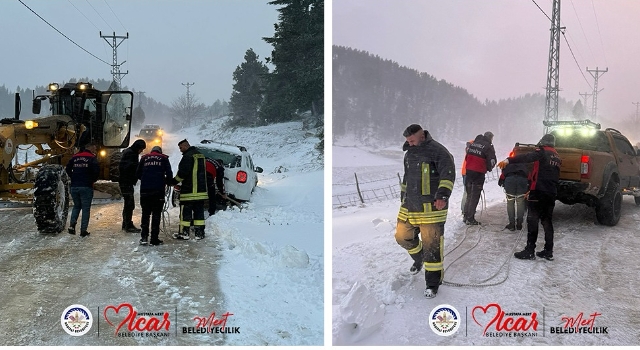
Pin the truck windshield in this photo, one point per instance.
(576, 139)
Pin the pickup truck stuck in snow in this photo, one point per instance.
(598, 167)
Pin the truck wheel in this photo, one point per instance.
(51, 199)
(609, 207)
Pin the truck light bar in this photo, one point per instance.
(586, 122)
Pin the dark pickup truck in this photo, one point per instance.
(598, 167)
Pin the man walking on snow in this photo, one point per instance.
(429, 174)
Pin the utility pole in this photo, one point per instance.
(553, 72)
(585, 95)
(188, 102)
(140, 99)
(637, 113)
(594, 105)
(115, 67)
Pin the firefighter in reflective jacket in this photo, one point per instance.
(193, 191)
(429, 174)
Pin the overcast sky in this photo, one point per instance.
(498, 49)
(170, 42)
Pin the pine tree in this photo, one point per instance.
(138, 118)
(247, 94)
(297, 82)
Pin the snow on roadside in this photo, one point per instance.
(272, 266)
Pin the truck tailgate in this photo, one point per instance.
(571, 158)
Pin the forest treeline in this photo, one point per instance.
(375, 99)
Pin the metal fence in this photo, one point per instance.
(362, 191)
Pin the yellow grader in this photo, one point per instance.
(79, 114)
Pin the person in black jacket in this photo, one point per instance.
(542, 195)
(423, 212)
(154, 173)
(192, 174)
(515, 182)
(84, 170)
(480, 159)
(128, 166)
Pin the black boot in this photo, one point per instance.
(131, 228)
(526, 254)
(184, 235)
(199, 232)
(545, 254)
(518, 225)
(511, 226)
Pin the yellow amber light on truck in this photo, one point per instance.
(30, 124)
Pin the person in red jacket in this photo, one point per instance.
(543, 189)
(215, 178)
(480, 158)
(464, 176)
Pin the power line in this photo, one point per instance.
(599, 33)
(83, 14)
(125, 29)
(99, 15)
(66, 37)
(568, 45)
(541, 10)
(582, 29)
(576, 61)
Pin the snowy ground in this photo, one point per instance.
(272, 268)
(375, 301)
(263, 264)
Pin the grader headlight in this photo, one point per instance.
(53, 87)
(84, 86)
(30, 124)
(103, 153)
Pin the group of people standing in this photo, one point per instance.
(197, 179)
(429, 175)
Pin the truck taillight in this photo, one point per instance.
(585, 167)
(241, 177)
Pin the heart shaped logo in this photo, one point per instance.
(490, 312)
(116, 310)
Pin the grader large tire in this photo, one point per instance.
(609, 207)
(51, 199)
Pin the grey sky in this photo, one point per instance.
(498, 49)
(170, 42)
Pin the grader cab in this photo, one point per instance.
(79, 114)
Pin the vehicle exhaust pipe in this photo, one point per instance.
(17, 106)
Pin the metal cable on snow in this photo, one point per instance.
(480, 283)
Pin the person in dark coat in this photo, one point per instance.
(192, 174)
(514, 180)
(128, 166)
(215, 178)
(480, 159)
(154, 173)
(84, 170)
(423, 212)
(543, 189)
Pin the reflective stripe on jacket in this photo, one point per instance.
(429, 174)
(192, 173)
